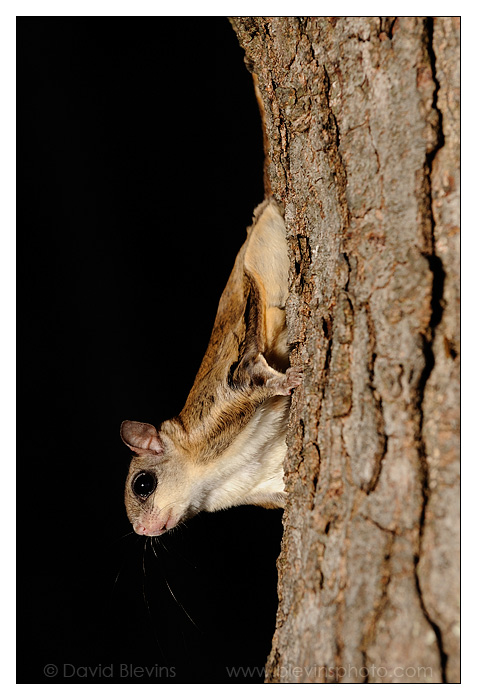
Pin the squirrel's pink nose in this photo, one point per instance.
(152, 525)
(148, 531)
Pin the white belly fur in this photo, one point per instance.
(253, 463)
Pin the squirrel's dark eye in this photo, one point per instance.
(144, 484)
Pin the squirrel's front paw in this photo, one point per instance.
(282, 384)
(294, 377)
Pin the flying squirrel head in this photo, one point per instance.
(159, 491)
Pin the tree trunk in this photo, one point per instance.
(361, 125)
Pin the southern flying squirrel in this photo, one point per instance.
(227, 446)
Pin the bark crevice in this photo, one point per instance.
(436, 268)
(380, 423)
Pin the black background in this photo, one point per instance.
(139, 165)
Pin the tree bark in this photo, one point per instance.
(361, 125)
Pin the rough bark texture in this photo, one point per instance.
(361, 119)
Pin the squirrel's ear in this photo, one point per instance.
(141, 438)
